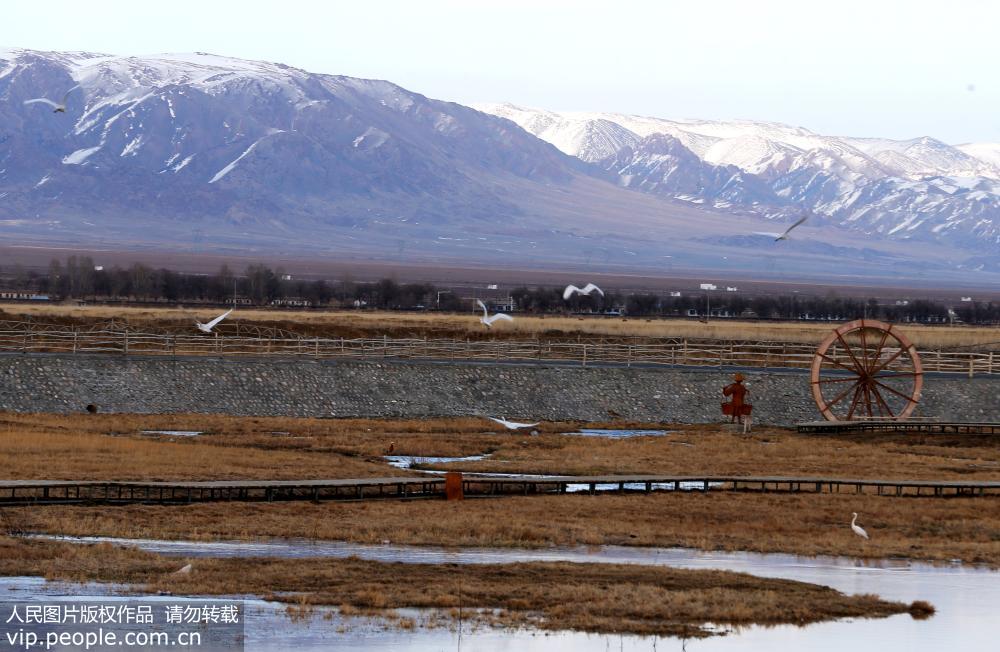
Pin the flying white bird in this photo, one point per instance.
(783, 236)
(207, 328)
(587, 289)
(56, 108)
(512, 425)
(183, 570)
(858, 530)
(488, 319)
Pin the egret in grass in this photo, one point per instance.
(487, 319)
(512, 425)
(207, 328)
(56, 108)
(585, 290)
(858, 530)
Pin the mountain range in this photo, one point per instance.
(913, 189)
(200, 152)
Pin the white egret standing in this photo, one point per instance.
(207, 328)
(488, 319)
(56, 108)
(586, 290)
(858, 530)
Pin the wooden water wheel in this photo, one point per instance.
(866, 369)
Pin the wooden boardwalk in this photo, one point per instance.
(922, 427)
(37, 492)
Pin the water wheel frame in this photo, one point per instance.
(861, 371)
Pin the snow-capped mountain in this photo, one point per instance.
(921, 188)
(198, 137)
(199, 152)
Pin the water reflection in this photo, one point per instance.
(965, 599)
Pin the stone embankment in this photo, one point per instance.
(324, 388)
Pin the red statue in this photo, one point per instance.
(737, 408)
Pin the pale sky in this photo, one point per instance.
(853, 68)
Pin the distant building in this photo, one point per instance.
(14, 295)
(675, 294)
(240, 301)
(967, 299)
(732, 289)
(292, 302)
(708, 286)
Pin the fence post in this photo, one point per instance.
(972, 363)
(385, 345)
(125, 347)
(989, 364)
(75, 335)
(628, 358)
(584, 355)
(317, 347)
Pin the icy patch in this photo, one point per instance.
(378, 138)
(617, 434)
(407, 461)
(132, 147)
(43, 181)
(80, 155)
(173, 433)
(180, 166)
(229, 168)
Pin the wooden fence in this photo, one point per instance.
(666, 352)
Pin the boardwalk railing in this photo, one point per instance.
(31, 492)
(667, 352)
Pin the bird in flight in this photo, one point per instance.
(783, 236)
(488, 319)
(207, 328)
(512, 425)
(858, 530)
(586, 290)
(56, 108)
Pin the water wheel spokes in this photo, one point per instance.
(865, 369)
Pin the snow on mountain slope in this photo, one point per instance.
(919, 188)
(986, 152)
(179, 138)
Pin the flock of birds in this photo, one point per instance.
(488, 320)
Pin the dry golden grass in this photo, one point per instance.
(400, 324)
(109, 446)
(555, 596)
(935, 529)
